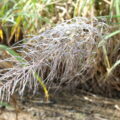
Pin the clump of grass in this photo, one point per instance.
(20, 12)
(62, 56)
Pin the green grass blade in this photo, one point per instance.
(13, 53)
(112, 34)
(42, 84)
(113, 67)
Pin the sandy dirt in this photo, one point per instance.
(64, 106)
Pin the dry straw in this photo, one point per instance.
(64, 56)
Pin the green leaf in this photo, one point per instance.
(112, 34)
(13, 53)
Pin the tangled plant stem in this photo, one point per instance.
(22, 60)
(61, 55)
(66, 55)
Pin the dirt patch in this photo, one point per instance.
(65, 106)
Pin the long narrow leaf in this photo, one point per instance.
(112, 34)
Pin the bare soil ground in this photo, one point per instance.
(64, 106)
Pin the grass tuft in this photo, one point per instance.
(63, 56)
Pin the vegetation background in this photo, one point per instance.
(34, 16)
